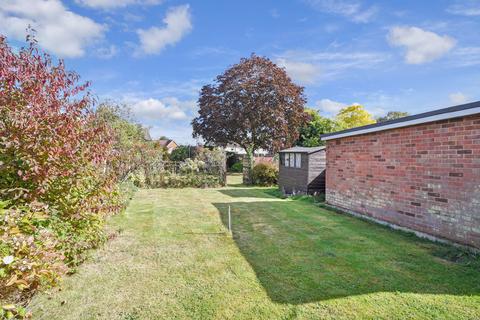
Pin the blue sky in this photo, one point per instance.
(155, 55)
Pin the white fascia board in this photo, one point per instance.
(438, 117)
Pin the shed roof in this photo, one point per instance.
(432, 116)
(303, 149)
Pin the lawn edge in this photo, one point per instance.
(396, 227)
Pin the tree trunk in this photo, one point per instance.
(248, 166)
(223, 169)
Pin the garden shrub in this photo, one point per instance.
(29, 250)
(215, 162)
(61, 165)
(192, 180)
(265, 174)
(181, 153)
(192, 166)
(237, 167)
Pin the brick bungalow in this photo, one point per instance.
(420, 172)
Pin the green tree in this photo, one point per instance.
(392, 115)
(316, 126)
(180, 153)
(353, 116)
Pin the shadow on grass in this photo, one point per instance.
(302, 253)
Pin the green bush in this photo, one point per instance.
(28, 249)
(192, 180)
(265, 174)
(181, 153)
(236, 167)
(62, 171)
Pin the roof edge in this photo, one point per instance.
(426, 117)
(313, 150)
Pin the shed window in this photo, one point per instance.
(293, 160)
(298, 160)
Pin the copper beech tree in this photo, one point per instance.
(253, 104)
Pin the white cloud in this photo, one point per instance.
(59, 30)
(466, 57)
(458, 98)
(167, 116)
(154, 109)
(329, 106)
(111, 4)
(177, 24)
(186, 105)
(306, 65)
(465, 8)
(107, 52)
(182, 134)
(303, 72)
(352, 10)
(421, 46)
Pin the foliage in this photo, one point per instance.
(187, 180)
(318, 198)
(215, 161)
(180, 153)
(236, 167)
(49, 136)
(127, 139)
(11, 311)
(192, 165)
(29, 249)
(353, 116)
(316, 126)
(392, 115)
(136, 159)
(207, 170)
(254, 104)
(60, 164)
(213, 158)
(265, 174)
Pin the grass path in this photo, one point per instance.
(287, 259)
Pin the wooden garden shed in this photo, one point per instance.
(302, 170)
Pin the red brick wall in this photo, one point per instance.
(424, 177)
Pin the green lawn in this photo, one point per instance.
(174, 259)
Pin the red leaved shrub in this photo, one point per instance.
(55, 154)
(49, 139)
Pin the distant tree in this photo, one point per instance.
(129, 136)
(254, 104)
(353, 116)
(392, 115)
(316, 126)
(180, 153)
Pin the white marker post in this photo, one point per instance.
(229, 220)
